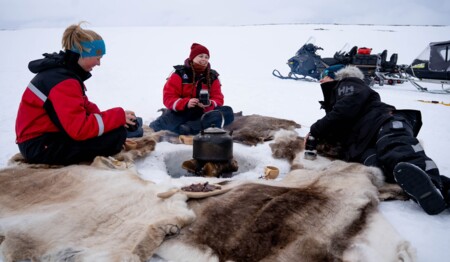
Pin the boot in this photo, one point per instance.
(417, 184)
(446, 189)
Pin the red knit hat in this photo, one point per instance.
(197, 49)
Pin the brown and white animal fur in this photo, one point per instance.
(256, 129)
(105, 212)
(288, 145)
(311, 215)
(84, 213)
(97, 212)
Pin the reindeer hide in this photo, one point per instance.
(311, 215)
(84, 213)
(256, 129)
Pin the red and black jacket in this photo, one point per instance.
(55, 101)
(181, 87)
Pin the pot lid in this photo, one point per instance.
(214, 130)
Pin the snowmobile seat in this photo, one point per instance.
(383, 56)
(390, 66)
(393, 59)
(353, 51)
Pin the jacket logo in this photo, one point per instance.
(185, 76)
(345, 90)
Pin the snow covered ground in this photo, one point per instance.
(139, 59)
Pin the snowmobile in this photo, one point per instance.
(431, 66)
(376, 68)
(308, 65)
(388, 71)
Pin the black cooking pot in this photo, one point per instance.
(213, 143)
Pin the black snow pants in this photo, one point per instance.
(188, 122)
(395, 143)
(59, 149)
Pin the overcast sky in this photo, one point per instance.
(60, 13)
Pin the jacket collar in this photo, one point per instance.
(71, 60)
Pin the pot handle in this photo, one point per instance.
(201, 120)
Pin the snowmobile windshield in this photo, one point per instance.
(421, 61)
(440, 57)
(425, 55)
(308, 48)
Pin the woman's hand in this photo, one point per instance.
(130, 118)
(203, 106)
(193, 102)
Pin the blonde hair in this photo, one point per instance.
(74, 35)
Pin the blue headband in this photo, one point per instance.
(94, 48)
(331, 71)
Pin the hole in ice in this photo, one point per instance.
(173, 161)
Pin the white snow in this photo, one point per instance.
(139, 59)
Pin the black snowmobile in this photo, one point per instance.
(305, 65)
(308, 65)
(431, 66)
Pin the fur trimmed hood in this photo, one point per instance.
(349, 71)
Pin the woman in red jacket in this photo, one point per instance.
(192, 90)
(56, 123)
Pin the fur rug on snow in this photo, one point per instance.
(105, 212)
(288, 145)
(257, 129)
(329, 214)
(99, 211)
(246, 129)
(84, 213)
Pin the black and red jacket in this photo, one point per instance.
(55, 101)
(181, 87)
